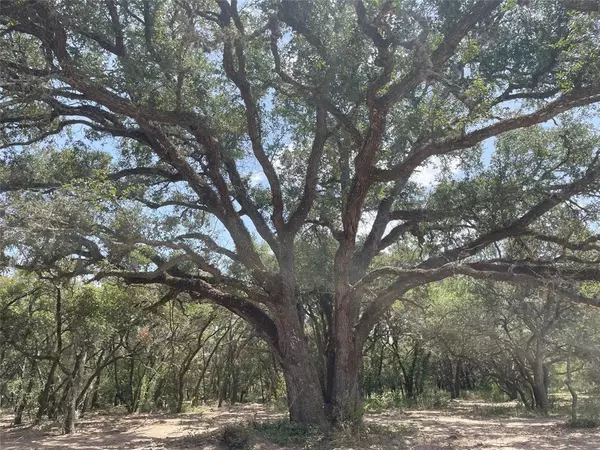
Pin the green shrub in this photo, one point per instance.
(284, 432)
(429, 399)
(434, 399)
(387, 400)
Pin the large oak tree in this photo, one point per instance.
(207, 146)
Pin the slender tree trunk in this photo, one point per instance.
(45, 394)
(158, 391)
(86, 397)
(196, 393)
(523, 398)
(234, 385)
(572, 391)
(185, 366)
(18, 418)
(96, 393)
(408, 382)
(20, 409)
(73, 389)
(223, 389)
(380, 371)
(118, 394)
(137, 392)
(423, 373)
(456, 379)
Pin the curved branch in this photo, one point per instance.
(573, 99)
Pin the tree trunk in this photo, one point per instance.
(158, 392)
(234, 386)
(572, 391)
(73, 389)
(510, 389)
(195, 395)
(540, 395)
(304, 394)
(524, 398)
(540, 378)
(345, 393)
(409, 386)
(18, 417)
(456, 380)
(95, 402)
(45, 395)
(86, 397)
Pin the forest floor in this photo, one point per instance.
(463, 425)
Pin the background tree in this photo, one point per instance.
(71, 348)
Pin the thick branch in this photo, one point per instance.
(566, 102)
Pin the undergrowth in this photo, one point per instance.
(246, 435)
(431, 399)
(583, 423)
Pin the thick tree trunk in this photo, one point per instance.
(346, 401)
(541, 399)
(304, 394)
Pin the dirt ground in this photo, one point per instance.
(456, 428)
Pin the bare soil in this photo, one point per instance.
(454, 428)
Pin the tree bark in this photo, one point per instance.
(195, 395)
(456, 380)
(540, 378)
(18, 417)
(304, 394)
(44, 397)
(539, 387)
(73, 389)
(346, 402)
(185, 366)
(572, 391)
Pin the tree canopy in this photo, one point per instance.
(285, 158)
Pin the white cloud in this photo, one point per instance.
(257, 178)
(427, 175)
(366, 223)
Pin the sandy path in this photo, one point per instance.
(448, 429)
